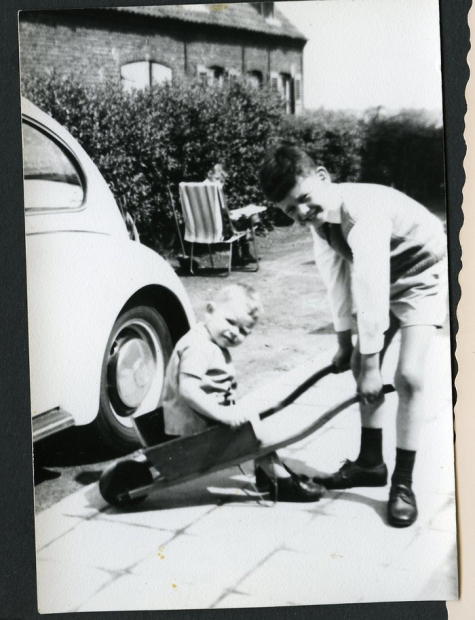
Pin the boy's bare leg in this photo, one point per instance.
(369, 468)
(409, 382)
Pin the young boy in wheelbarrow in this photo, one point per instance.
(200, 387)
(384, 254)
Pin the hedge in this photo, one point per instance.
(145, 141)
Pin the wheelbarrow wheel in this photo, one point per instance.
(122, 477)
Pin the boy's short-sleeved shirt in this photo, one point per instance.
(197, 355)
(386, 253)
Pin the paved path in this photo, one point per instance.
(210, 544)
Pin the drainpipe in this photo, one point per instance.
(268, 66)
(185, 55)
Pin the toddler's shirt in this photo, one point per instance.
(197, 355)
(383, 236)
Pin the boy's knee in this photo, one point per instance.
(408, 381)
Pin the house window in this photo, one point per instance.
(143, 74)
(254, 78)
(290, 89)
(286, 90)
(216, 75)
(298, 94)
(274, 82)
(202, 73)
(266, 9)
(212, 75)
(233, 75)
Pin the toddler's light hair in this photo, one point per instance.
(242, 292)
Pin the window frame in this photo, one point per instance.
(298, 101)
(255, 75)
(149, 63)
(63, 146)
(213, 75)
(217, 75)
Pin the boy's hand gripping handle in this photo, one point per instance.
(308, 383)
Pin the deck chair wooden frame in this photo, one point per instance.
(208, 220)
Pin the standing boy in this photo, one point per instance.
(200, 386)
(384, 254)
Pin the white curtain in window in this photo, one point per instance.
(135, 75)
(160, 73)
(141, 74)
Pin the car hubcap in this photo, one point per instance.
(135, 370)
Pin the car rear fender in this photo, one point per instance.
(78, 284)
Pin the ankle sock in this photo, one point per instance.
(404, 466)
(371, 450)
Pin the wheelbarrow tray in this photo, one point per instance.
(187, 458)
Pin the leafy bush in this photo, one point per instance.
(405, 151)
(145, 141)
(332, 139)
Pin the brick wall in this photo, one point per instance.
(94, 45)
(213, 50)
(92, 49)
(285, 60)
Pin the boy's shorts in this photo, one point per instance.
(421, 299)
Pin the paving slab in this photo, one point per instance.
(66, 585)
(213, 543)
(105, 545)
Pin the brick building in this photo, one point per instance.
(144, 45)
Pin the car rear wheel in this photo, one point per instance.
(132, 376)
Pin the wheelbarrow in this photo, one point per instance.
(164, 465)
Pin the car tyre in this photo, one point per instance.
(132, 375)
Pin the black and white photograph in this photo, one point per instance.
(237, 281)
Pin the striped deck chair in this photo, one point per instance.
(207, 219)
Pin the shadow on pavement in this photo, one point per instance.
(41, 474)
(88, 477)
(377, 505)
(212, 490)
(74, 446)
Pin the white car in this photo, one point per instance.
(104, 311)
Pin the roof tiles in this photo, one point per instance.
(242, 16)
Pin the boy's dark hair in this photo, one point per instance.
(279, 171)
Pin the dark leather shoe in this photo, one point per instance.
(402, 508)
(352, 475)
(289, 489)
(292, 490)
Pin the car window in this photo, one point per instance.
(51, 179)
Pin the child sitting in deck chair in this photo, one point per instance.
(200, 385)
(218, 174)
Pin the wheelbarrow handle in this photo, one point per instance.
(323, 419)
(308, 383)
(301, 389)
